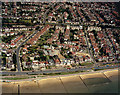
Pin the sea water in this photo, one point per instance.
(108, 87)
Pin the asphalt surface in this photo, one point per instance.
(55, 71)
(90, 52)
(52, 6)
(18, 50)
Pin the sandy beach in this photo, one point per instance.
(89, 82)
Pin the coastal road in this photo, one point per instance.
(55, 71)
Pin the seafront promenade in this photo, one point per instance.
(74, 83)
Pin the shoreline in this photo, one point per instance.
(73, 83)
(56, 76)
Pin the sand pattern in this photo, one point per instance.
(74, 84)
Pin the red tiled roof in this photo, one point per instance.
(16, 40)
(36, 37)
(12, 44)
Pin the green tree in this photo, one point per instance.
(14, 60)
(4, 61)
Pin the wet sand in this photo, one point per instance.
(96, 78)
(74, 84)
(51, 85)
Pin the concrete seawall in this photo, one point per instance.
(69, 84)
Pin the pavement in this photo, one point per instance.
(54, 71)
(18, 50)
(89, 49)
